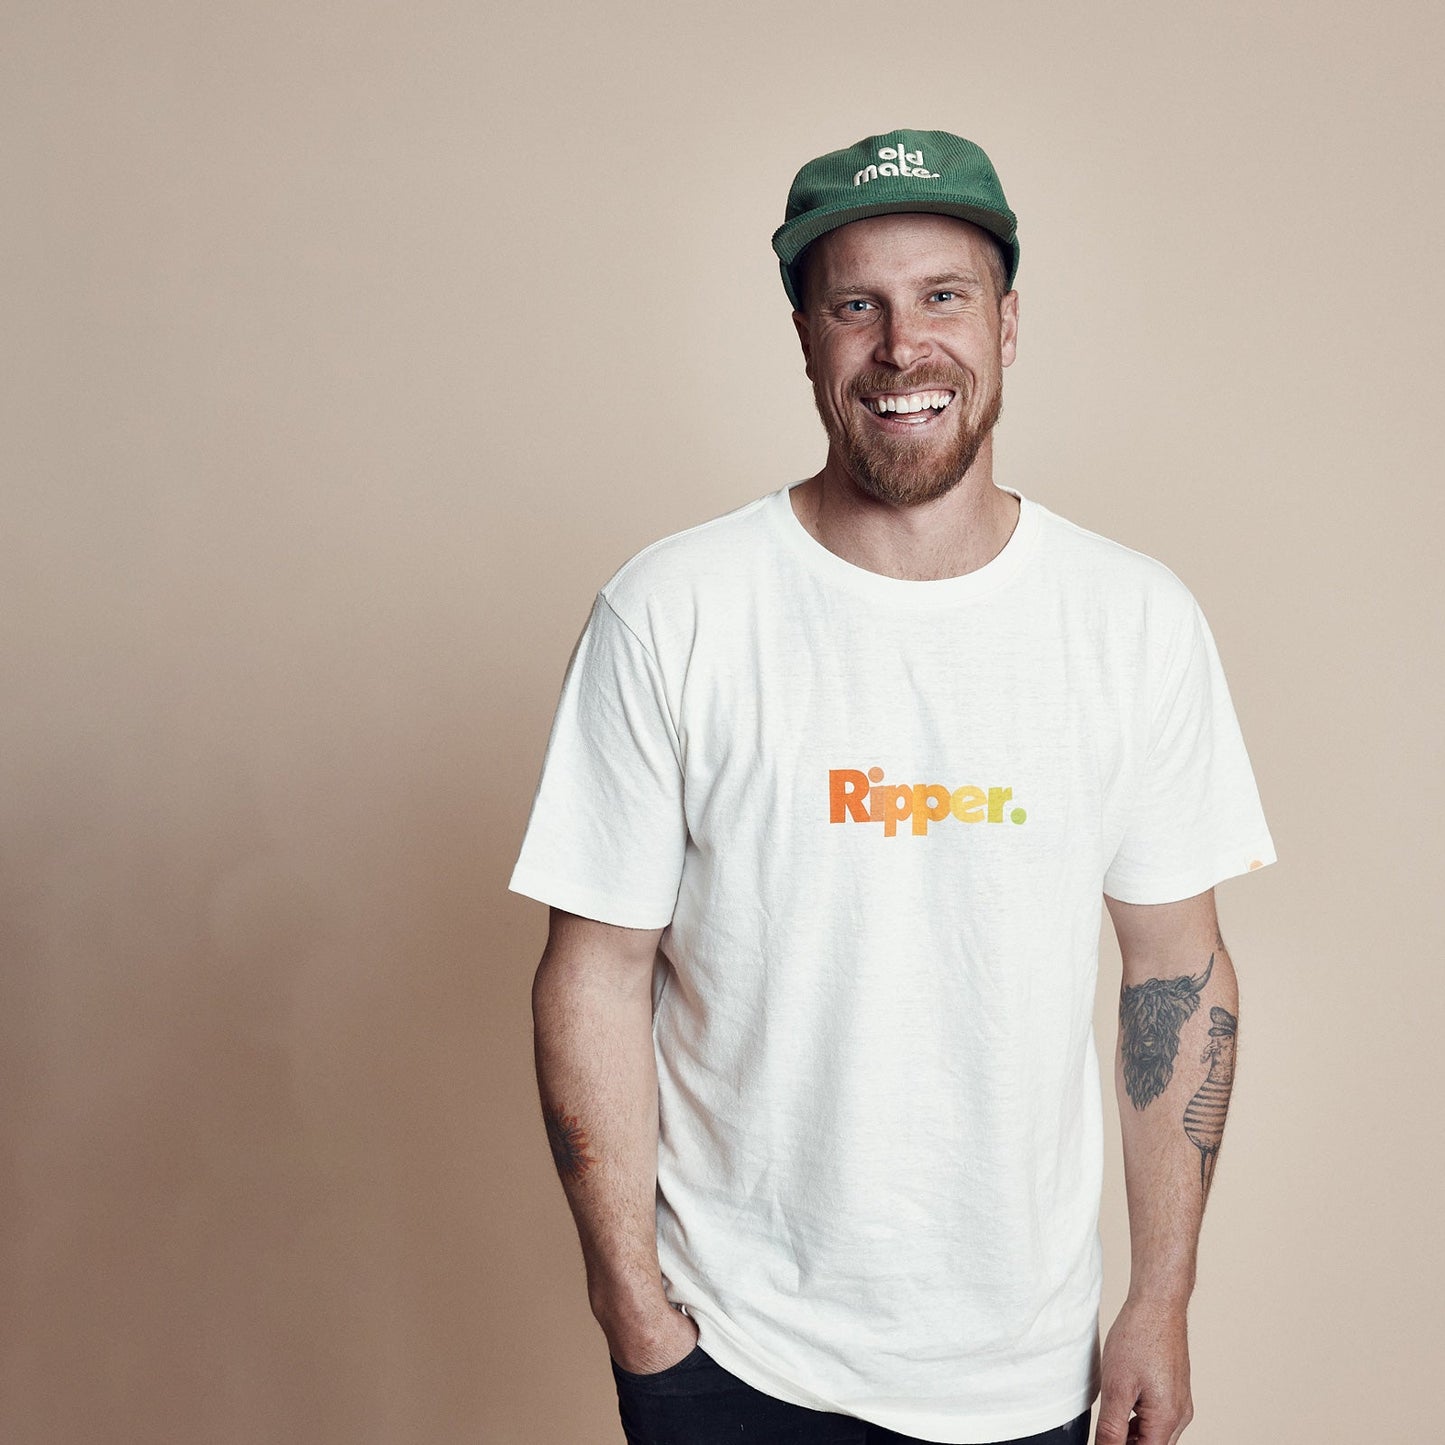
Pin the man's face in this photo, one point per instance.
(901, 315)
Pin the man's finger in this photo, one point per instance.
(1160, 1425)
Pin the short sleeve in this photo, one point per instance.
(607, 831)
(1195, 818)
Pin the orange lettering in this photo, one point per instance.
(847, 788)
(859, 797)
(889, 805)
(930, 805)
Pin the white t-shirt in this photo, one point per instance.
(877, 818)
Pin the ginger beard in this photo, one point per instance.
(903, 470)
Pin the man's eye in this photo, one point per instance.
(854, 305)
(944, 295)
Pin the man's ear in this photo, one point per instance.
(1008, 316)
(805, 340)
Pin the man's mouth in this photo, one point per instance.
(905, 403)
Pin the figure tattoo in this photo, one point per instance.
(569, 1145)
(1204, 1118)
(1150, 1017)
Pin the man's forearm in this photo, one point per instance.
(1174, 1067)
(1174, 1073)
(597, 1076)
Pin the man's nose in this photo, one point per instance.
(902, 341)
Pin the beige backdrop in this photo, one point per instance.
(350, 348)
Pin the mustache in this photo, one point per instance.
(938, 377)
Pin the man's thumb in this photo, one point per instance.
(1113, 1426)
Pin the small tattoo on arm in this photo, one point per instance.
(1150, 1017)
(1204, 1118)
(569, 1145)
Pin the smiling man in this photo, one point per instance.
(908, 411)
(837, 791)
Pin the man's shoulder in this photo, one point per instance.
(687, 565)
(1111, 569)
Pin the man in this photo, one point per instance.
(836, 786)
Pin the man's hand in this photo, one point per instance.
(643, 1345)
(1146, 1373)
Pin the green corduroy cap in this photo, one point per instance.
(900, 170)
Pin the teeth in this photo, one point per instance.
(917, 401)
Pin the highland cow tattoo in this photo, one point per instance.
(1150, 1017)
(1204, 1118)
(569, 1145)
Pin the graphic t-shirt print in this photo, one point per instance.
(859, 797)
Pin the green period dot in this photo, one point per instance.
(1018, 815)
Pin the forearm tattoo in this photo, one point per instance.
(1150, 1017)
(1204, 1118)
(570, 1145)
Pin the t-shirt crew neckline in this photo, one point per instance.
(901, 591)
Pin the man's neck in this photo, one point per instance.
(947, 537)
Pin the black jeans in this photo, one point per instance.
(697, 1402)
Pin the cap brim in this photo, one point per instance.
(792, 237)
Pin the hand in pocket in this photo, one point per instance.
(655, 1345)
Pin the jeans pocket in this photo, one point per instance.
(693, 1357)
